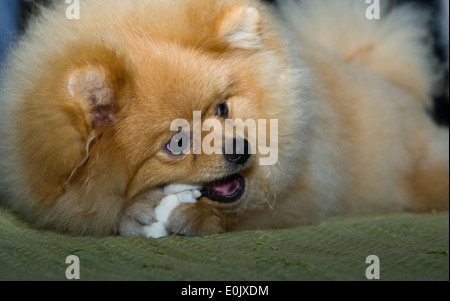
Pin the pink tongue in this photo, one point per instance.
(225, 187)
(228, 190)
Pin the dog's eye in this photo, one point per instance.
(179, 144)
(222, 110)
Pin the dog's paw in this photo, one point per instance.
(165, 209)
(136, 218)
(184, 193)
(196, 220)
(148, 217)
(180, 188)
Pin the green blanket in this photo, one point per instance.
(409, 247)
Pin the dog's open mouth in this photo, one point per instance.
(228, 190)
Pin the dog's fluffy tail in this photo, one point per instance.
(396, 46)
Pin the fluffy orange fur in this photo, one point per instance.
(87, 108)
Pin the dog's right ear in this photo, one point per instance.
(239, 27)
(94, 88)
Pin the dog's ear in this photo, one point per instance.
(94, 88)
(239, 26)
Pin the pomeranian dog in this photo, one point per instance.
(88, 103)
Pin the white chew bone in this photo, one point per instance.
(176, 194)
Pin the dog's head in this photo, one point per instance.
(160, 97)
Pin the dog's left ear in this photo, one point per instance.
(239, 26)
(93, 87)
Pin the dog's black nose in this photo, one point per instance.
(241, 152)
